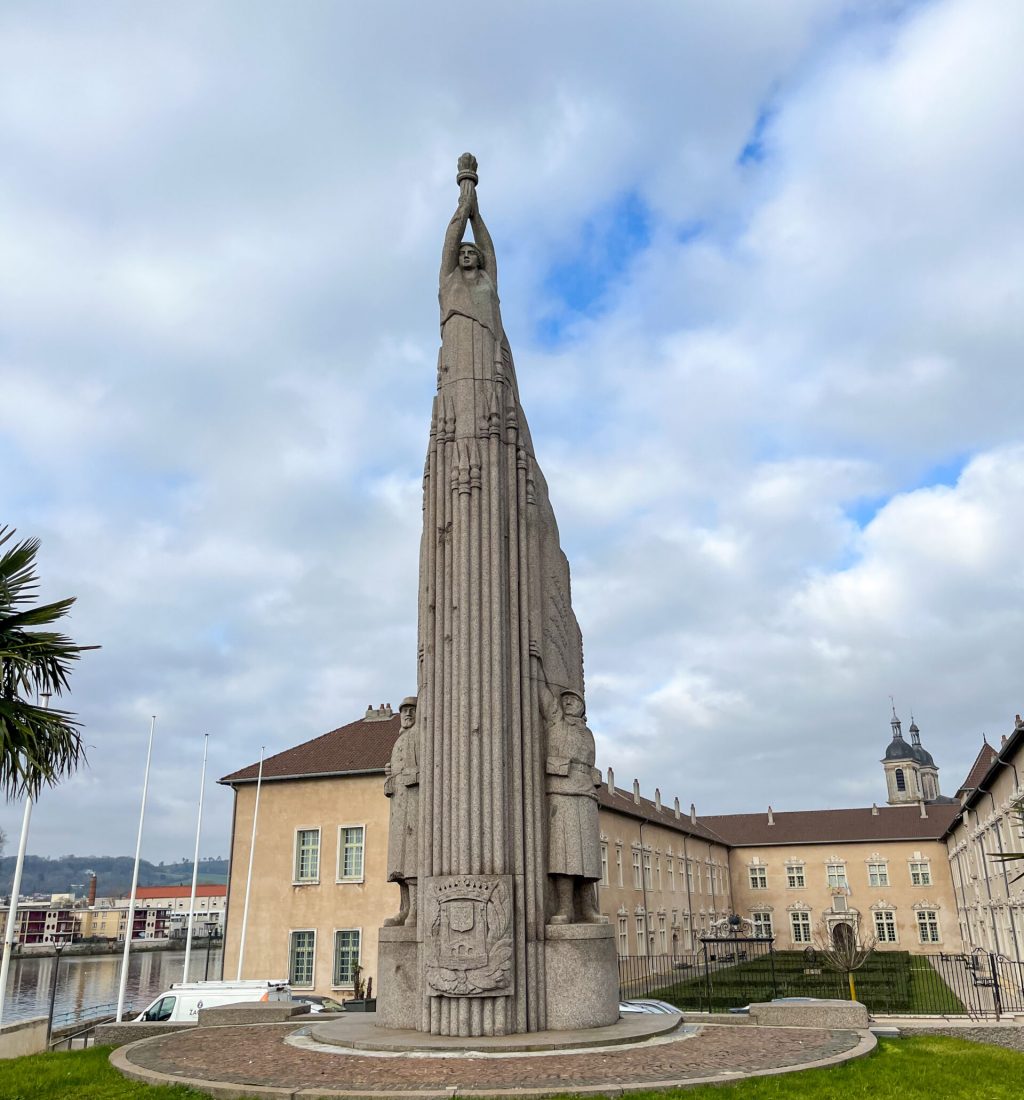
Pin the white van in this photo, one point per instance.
(182, 1002)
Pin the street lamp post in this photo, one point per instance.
(58, 947)
(212, 930)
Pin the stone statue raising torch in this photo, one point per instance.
(402, 786)
(468, 286)
(574, 852)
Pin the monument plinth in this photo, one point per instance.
(495, 842)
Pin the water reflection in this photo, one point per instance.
(85, 981)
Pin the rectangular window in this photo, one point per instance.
(921, 874)
(928, 925)
(878, 874)
(671, 876)
(307, 855)
(637, 880)
(657, 869)
(795, 877)
(346, 956)
(641, 937)
(762, 924)
(885, 926)
(300, 957)
(351, 841)
(663, 934)
(623, 936)
(689, 876)
(758, 878)
(801, 923)
(604, 864)
(648, 884)
(711, 881)
(618, 862)
(836, 875)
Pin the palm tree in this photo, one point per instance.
(37, 745)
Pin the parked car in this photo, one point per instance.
(182, 1002)
(318, 1004)
(645, 1007)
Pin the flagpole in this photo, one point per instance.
(135, 878)
(248, 877)
(195, 860)
(12, 912)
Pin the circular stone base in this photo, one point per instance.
(267, 1061)
(358, 1031)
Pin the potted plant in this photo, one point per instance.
(362, 999)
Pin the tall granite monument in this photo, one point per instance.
(498, 930)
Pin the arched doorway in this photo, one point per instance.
(842, 936)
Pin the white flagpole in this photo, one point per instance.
(195, 860)
(12, 913)
(248, 877)
(135, 878)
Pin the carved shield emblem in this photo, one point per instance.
(469, 946)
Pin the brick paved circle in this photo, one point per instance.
(257, 1056)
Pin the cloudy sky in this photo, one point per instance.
(762, 274)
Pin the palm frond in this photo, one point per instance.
(38, 745)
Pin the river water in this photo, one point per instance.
(85, 982)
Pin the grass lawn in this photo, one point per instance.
(890, 982)
(909, 1069)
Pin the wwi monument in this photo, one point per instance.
(494, 838)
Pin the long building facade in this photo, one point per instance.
(909, 873)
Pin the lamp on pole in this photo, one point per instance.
(58, 946)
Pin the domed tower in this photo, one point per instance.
(927, 771)
(901, 767)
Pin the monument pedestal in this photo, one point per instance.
(578, 959)
(398, 1002)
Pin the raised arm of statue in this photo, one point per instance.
(548, 700)
(484, 244)
(453, 238)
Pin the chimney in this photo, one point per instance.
(369, 712)
(92, 890)
(1002, 744)
(636, 791)
(693, 814)
(657, 799)
(874, 809)
(678, 815)
(771, 816)
(924, 809)
(611, 781)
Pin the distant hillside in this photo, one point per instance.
(114, 874)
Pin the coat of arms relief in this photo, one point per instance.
(469, 941)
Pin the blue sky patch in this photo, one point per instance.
(753, 151)
(608, 242)
(947, 473)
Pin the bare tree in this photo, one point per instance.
(843, 949)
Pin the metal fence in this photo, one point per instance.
(727, 975)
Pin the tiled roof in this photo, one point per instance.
(833, 826)
(362, 746)
(622, 801)
(979, 769)
(147, 893)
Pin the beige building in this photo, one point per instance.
(990, 904)
(319, 892)
(878, 870)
